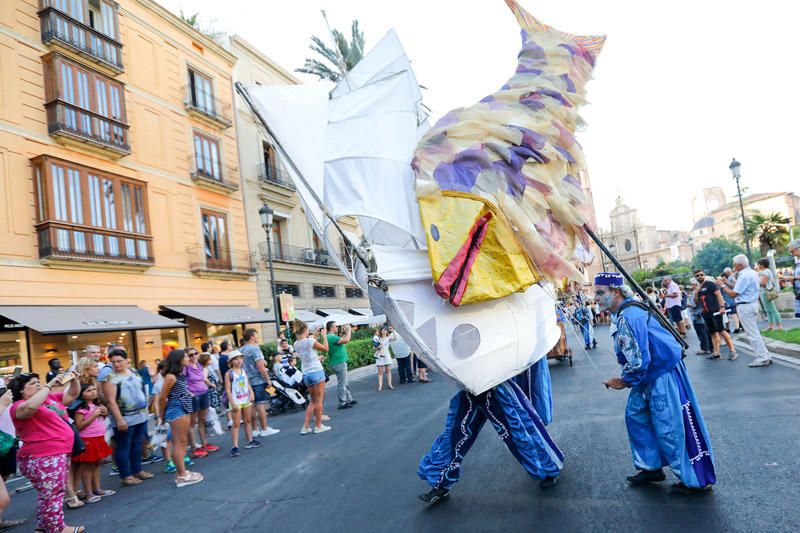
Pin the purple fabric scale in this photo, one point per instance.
(461, 174)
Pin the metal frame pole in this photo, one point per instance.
(638, 289)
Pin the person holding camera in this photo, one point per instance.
(42, 423)
(337, 354)
(383, 358)
(313, 374)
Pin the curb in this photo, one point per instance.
(792, 359)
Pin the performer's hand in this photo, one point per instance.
(614, 383)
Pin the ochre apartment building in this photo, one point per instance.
(119, 184)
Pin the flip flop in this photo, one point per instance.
(9, 524)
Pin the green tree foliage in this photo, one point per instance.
(770, 231)
(334, 63)
(676, 269)
(715, 256)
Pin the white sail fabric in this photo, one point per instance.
(298, 115)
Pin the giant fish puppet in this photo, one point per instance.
(463, 224)
(502, 207)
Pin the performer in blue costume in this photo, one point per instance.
(665, 426)
(518, 409)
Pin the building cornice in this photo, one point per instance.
(240, 41)
(185, 28)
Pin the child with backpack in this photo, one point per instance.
(240, 398)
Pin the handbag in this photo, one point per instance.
(7, 442)
(78, 446)
(772, 294)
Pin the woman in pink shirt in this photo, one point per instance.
(197, 381)
(41, 421)
(90, 419)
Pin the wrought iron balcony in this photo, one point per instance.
(71, 121)
(207, 261)
(61, 30)
(212, 173)
(297, 254)
(207, 107)
(63, 241)
(275, 175)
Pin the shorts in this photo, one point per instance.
(201, 402)
(244, 405)
(420, 363)
(174, 411)
(312, 378)
(674, 313)
(260, 393)
(8, 462)
(714, 323)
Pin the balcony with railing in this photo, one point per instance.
(221, 263)
(274, 174)
(206, 107)
(61, 31)
(66, 242)
(74, 123)
(297, 255)
(212, 174)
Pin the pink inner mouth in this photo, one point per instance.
(453, 282)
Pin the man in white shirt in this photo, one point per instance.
(746, 294)
(673, 304)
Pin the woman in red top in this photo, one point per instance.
(41, 421)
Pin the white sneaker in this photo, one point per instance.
(305, 431)
(270, 431)
(230, 424)
(322, 429)
(733, 356)
(760, 362)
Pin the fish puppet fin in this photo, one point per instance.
(474, 251)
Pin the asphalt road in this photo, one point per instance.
(361, 476)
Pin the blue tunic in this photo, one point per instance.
(664, 422)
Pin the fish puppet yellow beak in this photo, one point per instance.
(474, 252)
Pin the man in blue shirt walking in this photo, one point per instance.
(665, 425)
(745, 292)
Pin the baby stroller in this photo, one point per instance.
(287, 393)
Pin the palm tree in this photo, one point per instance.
(771, 230)
(335, 62)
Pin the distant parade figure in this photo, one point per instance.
(665, 426)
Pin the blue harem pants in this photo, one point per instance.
(666, 428)
(510, 411)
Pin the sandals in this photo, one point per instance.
(130, 482)
(103, 493)
(9, 524)
(73, 502)
(143, 475)
(94, 498)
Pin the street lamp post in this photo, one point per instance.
(736, 173)
(691, 244)
(266, 215)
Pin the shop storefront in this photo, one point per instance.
(31, 335)
(216, 323)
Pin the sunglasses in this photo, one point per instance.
(699, 275)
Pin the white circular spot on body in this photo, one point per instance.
(465, 341)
